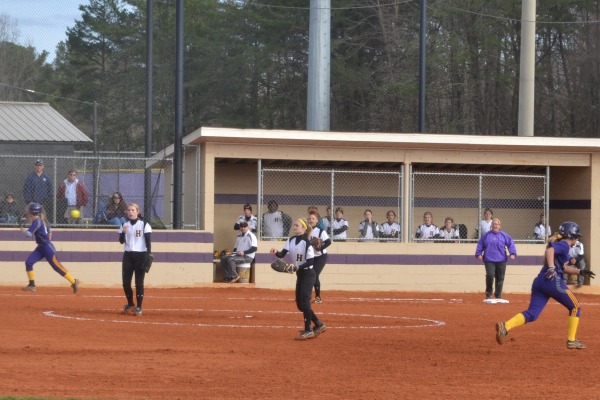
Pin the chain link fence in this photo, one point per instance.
(108, 182)
(285, 194)
(518, 200)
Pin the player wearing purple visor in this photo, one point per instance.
(550, 284)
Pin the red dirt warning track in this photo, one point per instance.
(238, 343)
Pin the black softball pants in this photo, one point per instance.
(318, 266)
(305, 280)
(133, 262)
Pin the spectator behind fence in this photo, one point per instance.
(115, 212)
(389, 229)
(428, 230)
(72, 195)
(485, 224)
(38, 189)
(491, 249)
(326, 221)
(339, 225)
(368, 229)
(449, 231)
(275, 224)
(541, 229)
(248, 217)
(9, 210)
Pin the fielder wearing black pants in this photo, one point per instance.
(318, 265)
(133, 262)
(305, 280)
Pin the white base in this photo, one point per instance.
(496, 301)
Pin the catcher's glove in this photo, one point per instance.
(316, 243)
(281, 266)
(148, 262)
(587, 273)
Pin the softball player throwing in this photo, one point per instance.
(135, 234)
(550, 284)
(40, 229)
(302, 254)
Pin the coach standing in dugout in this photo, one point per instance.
(491, 249)
(136, 235)
(247, 216)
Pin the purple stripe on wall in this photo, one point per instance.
(409, 259)
(428, 202)
(359, 259)
(571, 204)
(235, 199)
(88, 235)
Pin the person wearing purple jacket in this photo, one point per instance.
(492, 250)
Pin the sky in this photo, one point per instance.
(42, 23)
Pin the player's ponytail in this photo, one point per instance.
(556, 236)
(306, 226)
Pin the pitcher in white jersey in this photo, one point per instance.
(135, 235)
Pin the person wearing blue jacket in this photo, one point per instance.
(494, 248)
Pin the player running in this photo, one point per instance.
(302, 254)
(40, 229)
(550, 283)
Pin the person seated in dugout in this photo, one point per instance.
(9, 210)
(244, 252)
(449, 231)
(427, 230)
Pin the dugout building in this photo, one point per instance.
(520, 178)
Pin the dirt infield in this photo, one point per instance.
(237, 343)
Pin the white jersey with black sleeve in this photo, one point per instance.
(389, 230)
(427, 231)
(321, 234)
(134, 238)
(244, 242)
(339, 224)
(448, 235)
(300, 250)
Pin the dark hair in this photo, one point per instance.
(247, 207)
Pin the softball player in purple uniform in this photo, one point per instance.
(550, 284)
(40, 229)
(302, 254)
(320, 255)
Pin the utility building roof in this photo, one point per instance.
(36, 122)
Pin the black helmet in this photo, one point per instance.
(35, 208)
(569, 230)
